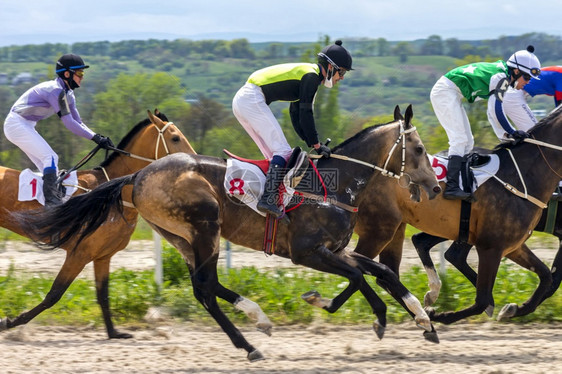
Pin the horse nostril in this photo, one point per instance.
(436, 189)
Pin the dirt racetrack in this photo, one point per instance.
(171, 347)
(482, 348)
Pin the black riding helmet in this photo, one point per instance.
(70, 62)
(335, 55)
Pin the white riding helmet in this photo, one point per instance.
(526, 62)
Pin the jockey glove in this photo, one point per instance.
(324, 150)
(519, 136)
(103, 141)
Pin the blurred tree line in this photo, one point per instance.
(129, 77)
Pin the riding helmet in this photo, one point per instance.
(526, 61)
(335, 54)
(69, 62)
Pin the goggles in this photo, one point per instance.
(341, 71)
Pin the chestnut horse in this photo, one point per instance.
(182, 197)
(500, 222)
(149, 140)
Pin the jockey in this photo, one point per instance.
(40, 102)
(515, 103)
(481, 80)
(296, 83)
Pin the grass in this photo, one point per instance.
(277, 292)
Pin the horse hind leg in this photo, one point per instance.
(202, 250)
(70, 269)
(524, 257)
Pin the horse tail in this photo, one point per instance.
(77, 218)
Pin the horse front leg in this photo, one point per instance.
(423, 243)
(322, 259)
(72, 266)
(556, 271)
(101, 273)
(524, 257)
(391, 283)
(488, 264)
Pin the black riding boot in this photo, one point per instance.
(452, 189)
(270, 198)
(51, 192)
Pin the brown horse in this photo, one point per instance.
(500, 222)
(457, 255)
(149, 140)
(182, 197)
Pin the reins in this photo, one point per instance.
(125, 153)
(524, 194)
(384, 171)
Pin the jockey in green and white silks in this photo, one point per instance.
(482, 80)
(296, 83)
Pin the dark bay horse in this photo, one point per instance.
(182, 197)
(149, 140)
(500, 222)
(457, 255)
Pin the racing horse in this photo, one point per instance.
(457, 255)
(182, 197)
(500, 221)
(150, 139)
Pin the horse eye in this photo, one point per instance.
(176, 139)
(420, 149)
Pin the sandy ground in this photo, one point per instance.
(171, 347)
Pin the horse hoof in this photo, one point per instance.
(424, 323)
(507, 312)
(311, 297)
(314, 298)
(3, 324)
(255, 355)
(265, 328)
(431, 336)
(489, 311)
(120, 335)
(379, 329)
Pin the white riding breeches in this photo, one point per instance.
(250, 109)
(22, 133)
(446, 99)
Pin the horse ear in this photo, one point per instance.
(155, 120)
(397, 114)
(409, 114)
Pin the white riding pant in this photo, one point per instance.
(22, 133)
(516, 108)
(250, 109)
(446, 99)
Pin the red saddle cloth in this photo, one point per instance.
(262, 164)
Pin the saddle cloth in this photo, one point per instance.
(245, 179)
(31, 186)
(481, 172)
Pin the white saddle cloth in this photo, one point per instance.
(481, 173)
(31, 186)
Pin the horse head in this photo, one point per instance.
(418, 171)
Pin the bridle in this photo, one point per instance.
(384, 171)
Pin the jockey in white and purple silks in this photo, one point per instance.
(515, 101)
(481, 80)
(40, 102)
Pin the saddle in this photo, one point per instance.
(30, 186)
(245, 178)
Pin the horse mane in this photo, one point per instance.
(546, 121)
(361, 134)
(130, 135)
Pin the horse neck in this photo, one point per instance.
(142, 145)
(374, 149)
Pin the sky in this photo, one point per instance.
(63, 21)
